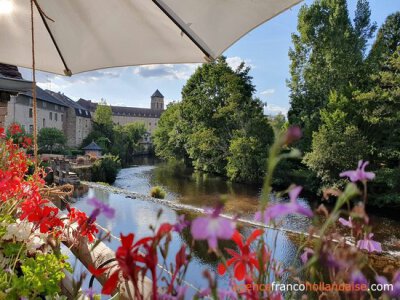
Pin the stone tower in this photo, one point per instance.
(157, 101)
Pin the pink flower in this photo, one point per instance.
(282, 209)
(346, 223)
(292, 134)
(222, 294)
(212, 227)
(181, 224)
(358, 278)
(307, 254)
(101, 208)
(359, 174)
(395, 292)
(369, 245)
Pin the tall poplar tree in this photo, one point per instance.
(327, 55)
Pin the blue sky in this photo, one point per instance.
(265, 49)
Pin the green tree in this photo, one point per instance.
(217, 103)
(386, 43)
(106, 169)
(102, 129)
(168, 139)
(103, 114)
(51, 139)
(379, 111)
(126, 140)
(327, 55)
(336, 147)
(380, 118)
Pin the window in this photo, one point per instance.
(30, 101)
(30, 129)
(149, 123)
(56, 107)
(44, 104)
(62, 118)
(51, 116)
(56, 117)
(30, 113)
(44, 122)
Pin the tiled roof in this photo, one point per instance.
(10, 71)
(79, 109)
(92, 146)
(157, 94)
(44, 96)
(124, 111)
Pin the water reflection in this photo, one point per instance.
(136, 215)
(197, 189)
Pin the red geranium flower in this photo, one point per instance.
(128, 256)
(244, 259)
(86, 225)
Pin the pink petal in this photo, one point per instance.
(199, 228)
(294, 193)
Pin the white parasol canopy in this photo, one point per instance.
(73, 36)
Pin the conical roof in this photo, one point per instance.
(157, 94)
(93, 146)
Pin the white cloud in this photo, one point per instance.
(168, 71)
(58, 82)
(272, 109)
(235, 61)
(268, 92)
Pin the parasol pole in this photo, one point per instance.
(34, 102)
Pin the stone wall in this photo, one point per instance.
(149, 123)
(20, 111)
(4, 98)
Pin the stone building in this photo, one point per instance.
(122, 115)
(51, 112)
(56, 110)
(78, 122)
(11, 83)
(93, 149)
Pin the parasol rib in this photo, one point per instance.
(191, 35)
(67, 71)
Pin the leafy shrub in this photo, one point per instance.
(42, 275)
(157, 192)
(76, 152)
(106, 169)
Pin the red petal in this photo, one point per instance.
(96, 272)
(143, 241)
(110, 285)
(232, 252)
(240, 271)
(238, 239)
(254, 235)
(230, 261)
(180, 257)
(221, 269)
(164, 229)
(127, 240)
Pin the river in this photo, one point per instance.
(191, 189)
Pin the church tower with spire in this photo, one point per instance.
(157, 101)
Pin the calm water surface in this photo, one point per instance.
(199, 190)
